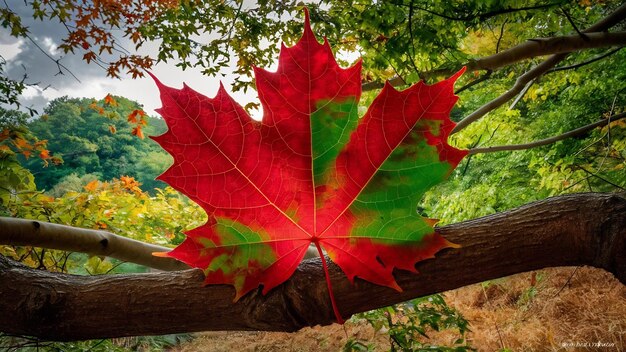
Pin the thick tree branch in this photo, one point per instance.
(580, 229)
(573, 133)
(548, 46)
(22, 232)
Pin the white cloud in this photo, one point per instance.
(10, 49)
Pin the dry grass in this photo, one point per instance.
(518, 313)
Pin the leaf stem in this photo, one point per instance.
(330, 287)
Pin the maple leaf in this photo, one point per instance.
(44, 154)
(109, 100)
(92, 186)
(137, 132)
(311, 172)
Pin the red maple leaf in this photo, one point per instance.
(311, 172)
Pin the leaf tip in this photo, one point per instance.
(458, 74)
(161, 254)
(449, 244)
(307, 20)
(156, 80)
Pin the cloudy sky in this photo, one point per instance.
(24, 57)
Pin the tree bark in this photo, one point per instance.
(22, 232)
(580, 229)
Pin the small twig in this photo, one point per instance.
(591, 174)
(522, 93)
(569, 279)
(573, 67)
(481, 79)
(410, 25)
(571, 21)
(114, 266)
(486, 15)
(501, 35)
(232, 26)
(572, 133)
(60, 66)
(494, 322)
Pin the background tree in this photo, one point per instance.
(541, 111)
(93, 137)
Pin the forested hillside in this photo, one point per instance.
(94, 141)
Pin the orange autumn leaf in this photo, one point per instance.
(21, 143)
(138, 132)
(41, 144)
(112, 129)
(132, 117)
(91, 186)
(89, 56)
(109, 100)
(4, 134)
(129, 183)
(44, 154)
(5, 149)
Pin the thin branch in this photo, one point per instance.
(590, 61)
(573, 133)
(482, 78)
(571, 22)
(519, 85)
(548, 46)
(501, 35)
(489, 14)
(527, 50)
(524, 79)
(522, 93)
(410, 24)
(591, 174)
(60, 66)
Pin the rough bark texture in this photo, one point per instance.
(582, 229)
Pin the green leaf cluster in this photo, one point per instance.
(408, 325)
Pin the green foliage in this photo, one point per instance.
(487, 183)
(16, 139)
(408, 325)
(119, 206)
(143, 343)
(95, 138)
